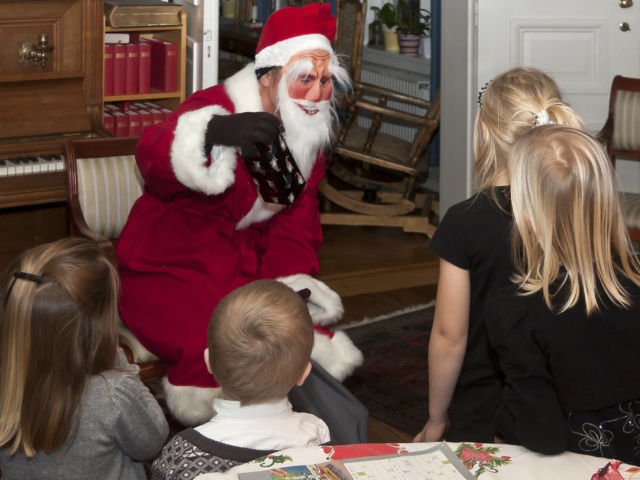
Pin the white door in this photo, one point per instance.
(202, 43)
(582, 44)
(579, 42)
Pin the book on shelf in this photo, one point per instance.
(119, 68)
(436, 462)
(108, 70)
(156, 116)
(164, 65)
(141, 13)
(144, 74)
(146, 119)
(132, 68)
(109, 122)
(117, 37)
(134, 123)
(122, 124)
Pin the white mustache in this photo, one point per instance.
(311, 106)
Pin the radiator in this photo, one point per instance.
(416, 87)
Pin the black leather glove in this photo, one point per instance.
(242, 130)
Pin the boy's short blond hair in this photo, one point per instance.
(260, 339)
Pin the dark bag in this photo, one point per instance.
(325, 397)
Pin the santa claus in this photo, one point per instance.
(201, 228)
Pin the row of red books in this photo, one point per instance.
(129, 119)
(139, 67)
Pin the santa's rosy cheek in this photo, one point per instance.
(316, 90)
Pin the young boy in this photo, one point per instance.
(259, 347)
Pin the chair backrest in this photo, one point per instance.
(622, 131)
(621, 136)
(103, 183)
(351, 16)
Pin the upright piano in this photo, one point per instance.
(50, 88)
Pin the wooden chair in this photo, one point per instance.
(351, 15)
(103, 183)
(621, 136)
(373, 176)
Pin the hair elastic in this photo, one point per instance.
(30, 277)
(542, 118)
(482, 92)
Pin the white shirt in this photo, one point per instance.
(265, 426)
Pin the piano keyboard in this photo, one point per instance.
(10, 167)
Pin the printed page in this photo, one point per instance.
(436, 463)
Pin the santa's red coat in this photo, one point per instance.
(200, 231)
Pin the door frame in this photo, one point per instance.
(458, 96)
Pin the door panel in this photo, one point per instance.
(581, 43)
(578, 42)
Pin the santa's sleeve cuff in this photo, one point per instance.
(337, 355)
(189, 161)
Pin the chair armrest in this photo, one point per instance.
(605, 135)
(390, 112)
(368, 89)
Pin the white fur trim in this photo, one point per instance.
(337, 355)
(188, 160)
(325, 305)
(243, 89)
(260, 212)
(190, 405)
(278, 54)
(140, 354)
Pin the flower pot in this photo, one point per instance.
(390, 40)
(425, 47)
(409, 45)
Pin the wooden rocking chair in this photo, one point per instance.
(373, 176)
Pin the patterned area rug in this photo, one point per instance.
(393, 380)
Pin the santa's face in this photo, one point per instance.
(305, 91)
(309, 79)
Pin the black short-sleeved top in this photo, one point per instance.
(476, 235)
(558, 363)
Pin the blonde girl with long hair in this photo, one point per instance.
(472, 242)
(567, 330)
(71, 406)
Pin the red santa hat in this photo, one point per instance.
(292, 30)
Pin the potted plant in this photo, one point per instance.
(412, 27)
(389, 18)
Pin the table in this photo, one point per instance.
(486, 461)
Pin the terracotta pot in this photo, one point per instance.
(409, 45)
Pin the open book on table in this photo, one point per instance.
(439, 462)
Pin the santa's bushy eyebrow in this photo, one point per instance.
(298, 68)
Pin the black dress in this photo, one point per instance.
(475, 235)
(572, 381)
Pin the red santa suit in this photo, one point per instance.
(201, 230)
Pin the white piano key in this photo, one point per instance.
(15, 166)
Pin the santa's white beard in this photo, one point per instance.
(306, 134)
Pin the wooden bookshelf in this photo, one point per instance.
(173, 33)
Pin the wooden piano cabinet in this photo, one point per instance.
(26, 227)
(40, 105)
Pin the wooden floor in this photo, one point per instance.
(378, 271)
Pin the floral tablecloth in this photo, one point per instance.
(485, 461)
